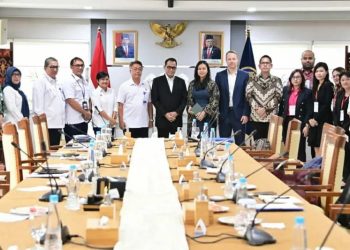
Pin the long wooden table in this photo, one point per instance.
(317, 223)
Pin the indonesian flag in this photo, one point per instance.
(98, 60)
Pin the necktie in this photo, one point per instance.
(208, 53)
(126, 51)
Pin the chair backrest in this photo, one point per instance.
(274, 132)
(25, 138)
(293, 138)
(4, 182)
(45, 129)
(11, 153)
(38, 134)
(328, 128)
(332, 164)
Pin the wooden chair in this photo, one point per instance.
(274, 136)
(330, 174)
(45, 132)
(26, 144)
(4, 182)
(13, 162)
(37, 134)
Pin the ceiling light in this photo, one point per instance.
(87, 7)
(251, 9)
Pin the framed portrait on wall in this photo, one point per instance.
(124, 46)
(211, 46)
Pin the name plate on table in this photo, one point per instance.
(179, 142)
(119, 159)
(190, 190)
(186, 159)
(187, 173)
(98, 235)
(192, 211)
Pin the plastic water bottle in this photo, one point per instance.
(73, 188)
(212, 134)
(299, 235)
(241, 188)
(206, 129)
(53, 238)
(229, 188)
(92, 158)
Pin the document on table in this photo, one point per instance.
(6, 217)
(279, 207)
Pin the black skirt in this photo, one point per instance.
(315, 134)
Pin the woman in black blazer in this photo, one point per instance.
(342, 118)
(296, 103)
(322, 91)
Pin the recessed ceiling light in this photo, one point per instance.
(87, 7)
(251, 9)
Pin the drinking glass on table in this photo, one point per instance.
(195, 132)
(86, 167)
(37, 222)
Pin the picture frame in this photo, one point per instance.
(125, 46)
(214, 41)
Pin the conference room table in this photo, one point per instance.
(317, 224)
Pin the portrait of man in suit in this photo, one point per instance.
(169, 97)
(125, 46)
(210, 51)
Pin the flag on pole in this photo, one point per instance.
(247, 61)
(98, 60)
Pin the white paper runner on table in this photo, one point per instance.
(151, 216)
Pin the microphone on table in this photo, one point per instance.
(81, 131)
(337, 217)
(258, 237)
(197, 151)
(267, 163)
(71, 138)
(45, 197)
(207, 164)
(220, 177)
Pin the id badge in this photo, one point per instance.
(341, 118)
(292, 110)
(85, 105)
(316, 107)
(307, 83)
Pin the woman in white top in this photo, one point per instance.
(104, 104)
(16, 102)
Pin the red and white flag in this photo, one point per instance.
(98, 60)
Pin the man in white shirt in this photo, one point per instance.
(134, 103)
(77, 95)
(48, 98)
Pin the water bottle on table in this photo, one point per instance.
(53, 238)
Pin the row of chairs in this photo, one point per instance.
(18, 163)
(327, 180)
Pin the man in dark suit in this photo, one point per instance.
(210, 51)
(169, 97)
(233, 106)
(126, 50)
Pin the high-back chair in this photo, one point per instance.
(37, 134)
(293, 138)
(45, 132)
(26, 143)
(327, 129)
(11, 153)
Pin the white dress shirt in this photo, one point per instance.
(48, 98)
(13, 105)
(78, 89)
(170, 82)
(231, 85)
(105, 101)
(135, 98)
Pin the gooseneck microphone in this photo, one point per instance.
(45, 197)
(99, 113)
(207, 164)
(220, 177)
(336, 219)
(70, 137)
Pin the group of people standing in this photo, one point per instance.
(234, 101)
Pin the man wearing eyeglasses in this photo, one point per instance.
(134, 103)
(77, 95)
(169, 99)
(48, 98)
(264, 92)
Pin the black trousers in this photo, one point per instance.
(138, 132)
(164, 132)
(55, 136)
(262, 129)
(82, 128)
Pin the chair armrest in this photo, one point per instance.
(322, 194)
(55, 147)
(334, 210)
(312, 187)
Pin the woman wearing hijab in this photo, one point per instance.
(15, 100)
